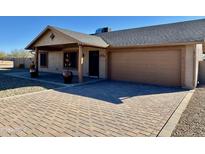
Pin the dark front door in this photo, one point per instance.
(94, 63)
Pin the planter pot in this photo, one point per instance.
(33, 73)
(67, 76)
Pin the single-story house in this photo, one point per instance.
(166, 54)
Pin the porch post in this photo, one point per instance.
(36, 59)
(80, 64)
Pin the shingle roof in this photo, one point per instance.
(181, 32)
(84, 38)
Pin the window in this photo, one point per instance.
(44, 59)
(70, 60)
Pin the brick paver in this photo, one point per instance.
(100, 109)
(10, 86)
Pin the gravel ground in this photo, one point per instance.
(10, 86)
(192, 121)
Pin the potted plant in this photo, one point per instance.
(33, 71)
(67, 74)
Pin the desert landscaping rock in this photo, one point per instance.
(192, 121)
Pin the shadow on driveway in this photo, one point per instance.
(115, 92)
(110, 91)
(9, 82)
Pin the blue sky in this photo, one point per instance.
(17, 32)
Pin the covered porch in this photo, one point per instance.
(51, 63)
(58, 49)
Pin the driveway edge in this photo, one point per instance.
(174, 119)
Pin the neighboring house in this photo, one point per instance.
(166, 54)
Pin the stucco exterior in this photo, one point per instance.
(193, 55)
(189, 67)
(186, 59)
(103, 60)
(188, 62)
(174, 64)
(55, 62)
(45, 40)
(199, 57)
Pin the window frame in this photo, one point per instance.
(46, 53)
(74, 68)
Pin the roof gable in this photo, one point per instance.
(51, 37)
(56, 36)
(84, 38)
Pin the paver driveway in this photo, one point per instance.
(101, 109)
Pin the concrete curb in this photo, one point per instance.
(174, 119)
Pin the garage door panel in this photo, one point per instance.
(154, 67)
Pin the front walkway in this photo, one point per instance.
(54, 78)
(101, 109)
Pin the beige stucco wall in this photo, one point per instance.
(102, 61)
(199, 57)
(190, 58)
(193, 54)
(189, 67)
(58, 39)
(55, 61)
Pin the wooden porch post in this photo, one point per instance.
(36, 59)
(80, 64)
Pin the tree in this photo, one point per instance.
(2, 55)
(20, 53)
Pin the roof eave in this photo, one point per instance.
(94, 45)
(162, 44)
(29, 46)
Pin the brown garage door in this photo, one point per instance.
(153, 67)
